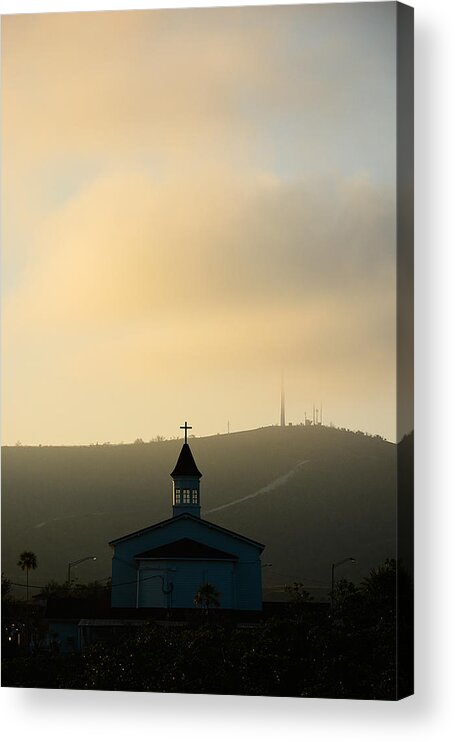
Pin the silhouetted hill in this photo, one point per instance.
(314, 496)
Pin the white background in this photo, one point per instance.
(72, 715)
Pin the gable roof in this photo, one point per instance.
(164, 523)
(185, 548)
(186, 465)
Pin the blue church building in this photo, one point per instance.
(163, 565)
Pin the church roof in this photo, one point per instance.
(186, 465)
(185, 548)
(188, 516)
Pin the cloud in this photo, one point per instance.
(130, 247)
(182, 84)
(171, 285)
(192, 197)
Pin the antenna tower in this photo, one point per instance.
(283, 413)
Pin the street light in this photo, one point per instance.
(334, 566)
(75, 563)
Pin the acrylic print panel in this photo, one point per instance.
(207, 351)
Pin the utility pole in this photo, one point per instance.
(283, 413)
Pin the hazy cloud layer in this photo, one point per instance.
(191, 201)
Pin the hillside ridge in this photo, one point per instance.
(65, 502)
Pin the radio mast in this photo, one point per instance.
(283, 413)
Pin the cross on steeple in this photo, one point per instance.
(186, 428)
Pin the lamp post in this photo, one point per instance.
(75, 563)
(334, 566)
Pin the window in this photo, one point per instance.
(194, 497)
(186, 496)
(177, 496)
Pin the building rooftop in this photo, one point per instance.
(186, 548)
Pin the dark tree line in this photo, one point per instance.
(306, 653)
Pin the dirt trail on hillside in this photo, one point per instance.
(274, 484)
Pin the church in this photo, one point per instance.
(164, 565)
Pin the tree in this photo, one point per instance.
(27, 561)
(207, 596)
(84, 591)
(346, 600)
(380, 587)
(54, 589)
(297, 593)
(6, 587)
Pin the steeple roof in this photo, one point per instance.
(186, 465)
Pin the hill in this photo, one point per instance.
(311, 495)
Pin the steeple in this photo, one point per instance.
(186, 482)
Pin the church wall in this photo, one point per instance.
(247, 569)
(185, 577)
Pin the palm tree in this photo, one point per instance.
(27, 561)
(207, 596)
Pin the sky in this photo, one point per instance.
(193, 201)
